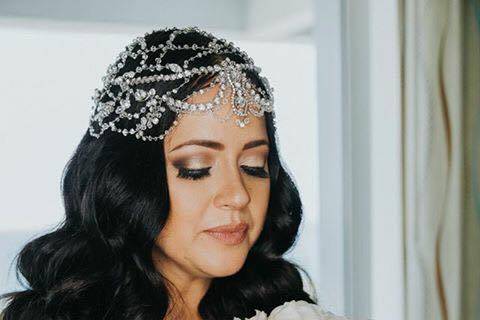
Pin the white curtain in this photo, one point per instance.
(433, 157)
(471, 181)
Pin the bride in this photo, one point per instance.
(177, 205)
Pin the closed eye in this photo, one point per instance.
(195, 174)
(256, 171)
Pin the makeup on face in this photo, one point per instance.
(197, 165)
(230, 238)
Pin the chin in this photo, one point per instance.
(223, 264)
(225, 270)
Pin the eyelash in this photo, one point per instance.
(195, 174)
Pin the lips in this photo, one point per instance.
(230, 228)
(229, 234)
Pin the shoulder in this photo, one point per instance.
(293, 310)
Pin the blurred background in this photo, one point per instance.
(378, 107)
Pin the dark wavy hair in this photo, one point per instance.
(97, 263)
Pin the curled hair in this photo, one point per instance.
(97, 263)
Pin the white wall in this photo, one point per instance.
(386, 153)
(361, 164)
(223, 14)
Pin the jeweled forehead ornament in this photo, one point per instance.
(126, 95)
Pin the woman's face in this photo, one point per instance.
(232, 185)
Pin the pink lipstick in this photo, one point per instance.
(229, 234)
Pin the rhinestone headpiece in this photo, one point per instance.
(124, 94)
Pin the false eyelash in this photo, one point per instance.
(195, 174)
(256, 171)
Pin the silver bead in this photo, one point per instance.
(247, 98)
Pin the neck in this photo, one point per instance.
(180, 308)
(186, 288)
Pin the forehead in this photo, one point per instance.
(205, 125)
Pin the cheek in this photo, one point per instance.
(186, 196)
(170, 240)
(260, 195)
(187, 202)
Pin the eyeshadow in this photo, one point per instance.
(189, 161)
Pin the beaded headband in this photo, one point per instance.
(127, 90)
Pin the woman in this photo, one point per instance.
(177, 205)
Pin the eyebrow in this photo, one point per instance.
(217, 145)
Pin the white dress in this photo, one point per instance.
(293, 310)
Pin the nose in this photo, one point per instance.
(232, 194)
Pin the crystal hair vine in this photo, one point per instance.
(115, 100)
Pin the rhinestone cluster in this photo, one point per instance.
(230, 77)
